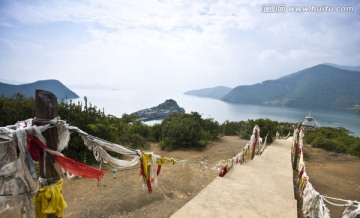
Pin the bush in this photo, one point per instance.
(135, 140)
(231, 127)
(15, 109)
(183, 131)
(333, 139)
(211, 128)
(267, 127)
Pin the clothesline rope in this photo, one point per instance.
(348, 202)
(335, 204)
(29, 138)
(127, 151)
(313, 201)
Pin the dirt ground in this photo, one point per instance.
(125, 196)
(331, 174)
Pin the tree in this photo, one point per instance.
(183, 131)
(15, 109)
(232, 127)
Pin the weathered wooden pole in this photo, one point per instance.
(296, 146)
(255, 143)
(296, 153)
(46, 108)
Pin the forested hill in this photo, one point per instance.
(321, 86)
(217, 92)
(159, 112)
(54, 86)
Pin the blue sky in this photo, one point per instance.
(174, 45)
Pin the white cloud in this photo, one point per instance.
(181, 44)
(271, 54)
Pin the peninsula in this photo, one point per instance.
(159, 112)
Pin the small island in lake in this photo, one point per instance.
(159, 112)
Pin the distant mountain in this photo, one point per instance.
(351, 68)
(159, 112)
(321, 86)
(54, 86)
(216, 92)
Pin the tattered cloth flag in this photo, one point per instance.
(49, 200)
(148, 171)
(223, 170)
(68, 164)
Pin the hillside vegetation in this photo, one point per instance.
(334, 139)
(177, 131)
(159, 112)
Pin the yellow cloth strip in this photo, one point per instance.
(146, 162)
(163, 160)
(49, 200)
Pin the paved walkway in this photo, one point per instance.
(261, 187)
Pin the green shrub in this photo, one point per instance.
(232, 127)
(267, 127)
(15, 109)
(183, 131)
(334, 139)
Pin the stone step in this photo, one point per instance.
(261, 187)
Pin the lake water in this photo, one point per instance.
(118, 102)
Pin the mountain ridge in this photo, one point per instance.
(343, 67)
(28, 89)
(215, 92)
(320, 86)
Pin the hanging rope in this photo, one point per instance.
(305, 187)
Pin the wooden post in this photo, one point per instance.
(255, 143)
(46, 109)
(296, 152)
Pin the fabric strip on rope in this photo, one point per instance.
(21, 137)
(224, 169)
(106, 144)
(63, 134)
(90, 140)
(69, 164)
(148, 169)
(35, 151)
(313, 202)
(98, 147)
(49, 200)
(161, 160)
(264, 144)
(352, 210)
(101, 155)
(318, 207)
(145, 169)
(18, 167)
(16, 183)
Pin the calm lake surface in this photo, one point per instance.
(118, 102)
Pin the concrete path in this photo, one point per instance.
(261, 187)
